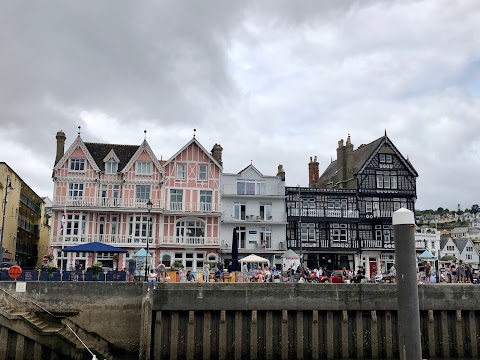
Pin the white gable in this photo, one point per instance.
(144, 147)
(111, 156)
(77, 144)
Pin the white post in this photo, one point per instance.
(409, 338)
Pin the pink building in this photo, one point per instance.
(103, 189)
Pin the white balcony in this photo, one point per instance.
(323, 213)
(379, 214)
(189, 241)
(193, 207)
(115, 240)
(260, 191)
(136, 241)
(118, 203)
(86, 201)
(275, 218)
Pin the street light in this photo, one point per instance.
(7, 191)
(149, 208)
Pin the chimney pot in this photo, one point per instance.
(60, 145)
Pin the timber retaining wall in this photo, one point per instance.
(263, 321)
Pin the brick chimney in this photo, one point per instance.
(349, 162)
(217, 153)
(60, 145)
(340, 161)
(313, 172)
(281, 172)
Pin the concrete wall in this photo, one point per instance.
(273, 296)
(111, 310)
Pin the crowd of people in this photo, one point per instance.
(455, 273)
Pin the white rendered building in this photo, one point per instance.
(255, 204)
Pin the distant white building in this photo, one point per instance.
(459, 232)
(427, 238)
(448, 248)
(255, 204)
(468, 252)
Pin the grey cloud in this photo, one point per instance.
(272, 81)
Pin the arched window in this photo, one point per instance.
(190, 232)
(166, 259)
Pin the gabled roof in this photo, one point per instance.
(194, 140)
(461, 243)
(361, 157)
(444, 242)
(244, 170)
(77, 144)
(100, 152)
(144, 147)
(111, 156)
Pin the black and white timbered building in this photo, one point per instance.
(346, 213)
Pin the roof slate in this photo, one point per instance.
(100, 151)
(360, 156)
(461, 243)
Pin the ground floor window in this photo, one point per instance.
(339, 261)
(190, 260)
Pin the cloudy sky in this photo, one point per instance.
(274, 82)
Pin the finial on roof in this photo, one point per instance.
(251, 162)
(331, 159)
(385, 132)
(79, 127)
(194, 131)
(145, 136)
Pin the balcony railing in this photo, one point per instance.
(189, 241)
(375, 214)
(258, 190)
(275, 217)
(95, 201)
(343, 244)
(30, 204)
(135, 241)
(136, 203)
(324, 213)
(29, 227)
(193, 207)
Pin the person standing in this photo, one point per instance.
(152, 279)
(468, 272)
(245, 272)
(206, 272)
(329, 270)
(131, 269)
(461, 272)
(161, 271)
(428, 272)
(393, 273)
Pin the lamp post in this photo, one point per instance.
(149, 208)
(8, 188)
(300, 222)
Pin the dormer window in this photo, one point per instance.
(77, 165)
(111, 167)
